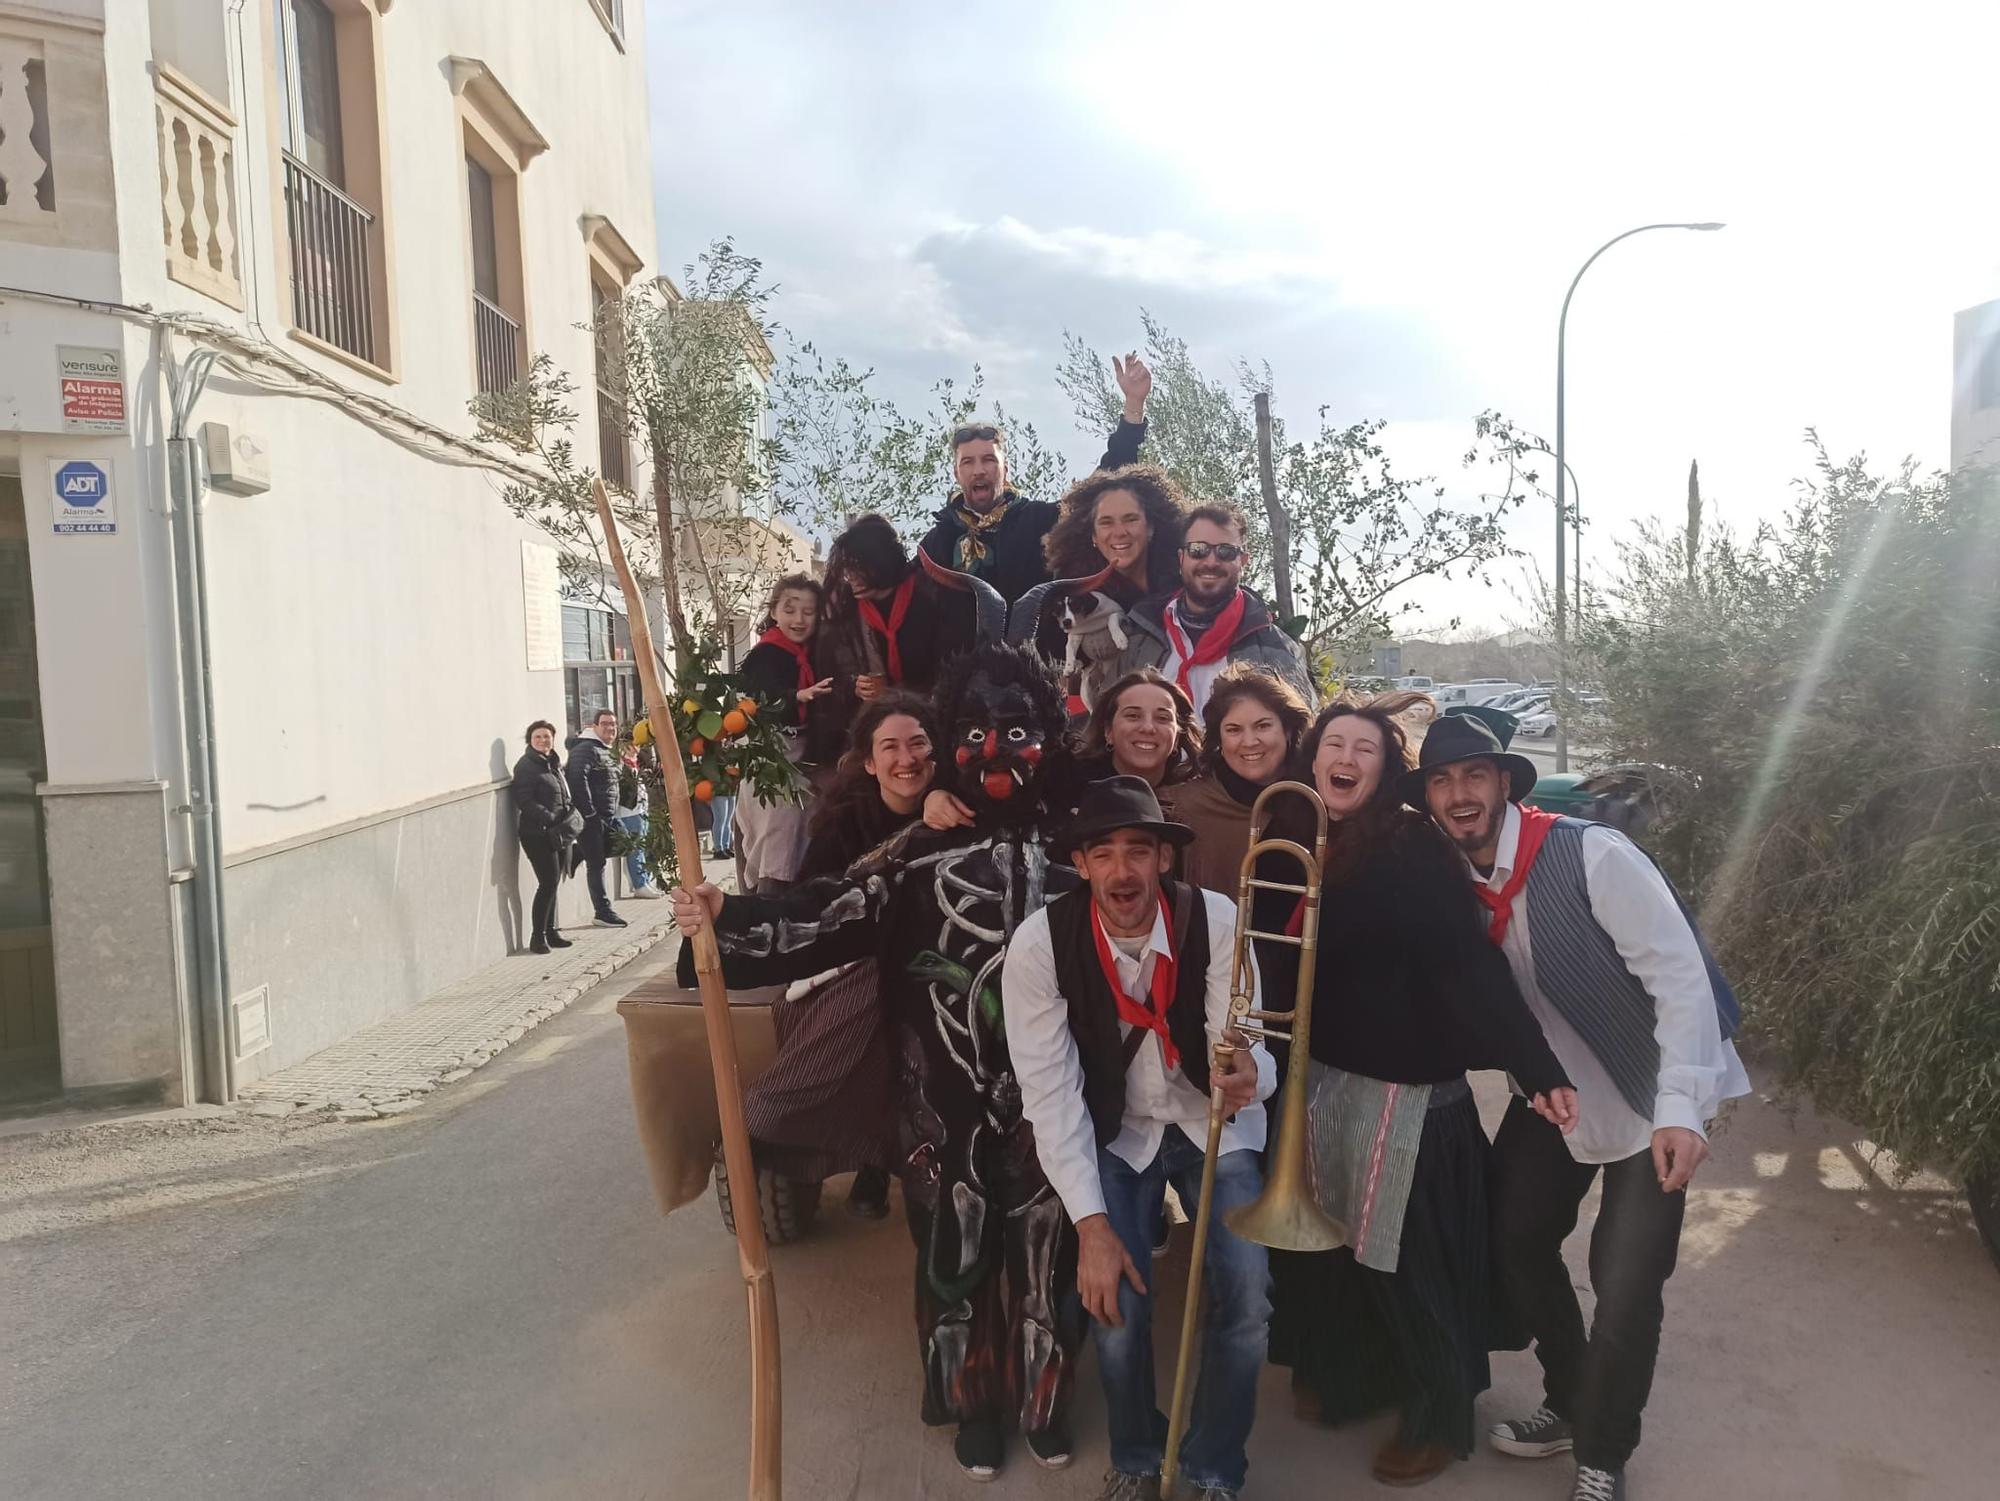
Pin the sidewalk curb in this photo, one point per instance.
(376, 1102)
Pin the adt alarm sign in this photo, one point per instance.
(84, 504)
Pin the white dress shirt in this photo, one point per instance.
(1050, 1072)
(1634, 905)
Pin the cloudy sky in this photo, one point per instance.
(1384, 202)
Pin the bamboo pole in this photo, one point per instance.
(753, 1256)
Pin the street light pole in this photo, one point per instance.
(1562, 505)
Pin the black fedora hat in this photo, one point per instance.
(1122, 803)
(1464, 737)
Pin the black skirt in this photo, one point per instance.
(1416, 1339)
(825, 1104)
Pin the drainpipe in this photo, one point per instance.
(218, 1083)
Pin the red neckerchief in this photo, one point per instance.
(898, 608)
(777, 638)
(1535, 826)
(1215, 641)
(1154, 1017)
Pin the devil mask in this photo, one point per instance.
(1007, 726)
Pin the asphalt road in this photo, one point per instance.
(479, 1300)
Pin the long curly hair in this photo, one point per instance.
(1071, 551)
(1018, 666)
(851, 784)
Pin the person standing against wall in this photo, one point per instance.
(547, 826)
(593, 793)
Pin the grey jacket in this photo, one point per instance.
(1258, 641)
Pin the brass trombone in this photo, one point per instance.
(1285, 1216)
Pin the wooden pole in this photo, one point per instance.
(1281, 524)
(752, 1254)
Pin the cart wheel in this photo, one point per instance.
(786, 1205)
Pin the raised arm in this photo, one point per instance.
(1135, 381)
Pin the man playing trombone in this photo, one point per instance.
(1114, 995)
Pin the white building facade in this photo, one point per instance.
(364, 212)
(1975, 387)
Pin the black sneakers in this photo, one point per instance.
(1051, 1447)
(609, 919)
(980, 1448)
(557, 941)
(1537, 1436)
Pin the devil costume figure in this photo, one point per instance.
(997, 1325)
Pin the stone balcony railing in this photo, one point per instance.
(197, 186)
(27, 165)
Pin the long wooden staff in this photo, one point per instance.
(751, 1252)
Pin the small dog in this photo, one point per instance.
(1096, 628)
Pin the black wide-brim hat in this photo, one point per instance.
(1122, 802)
(1464, 737)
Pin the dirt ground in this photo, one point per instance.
(480, 1300)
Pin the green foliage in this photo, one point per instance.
(843, 450)
(1360, 532)
(749, 761)
(1831, 687)
(536, 418)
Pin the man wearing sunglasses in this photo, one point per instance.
(985, 528)
(1212, 620)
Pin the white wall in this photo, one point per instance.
(1975, 430)
(367, 612)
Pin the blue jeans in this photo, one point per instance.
(1235, 1322)
(722, 837)
(635, 860)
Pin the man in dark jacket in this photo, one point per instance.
(984, 528)
(590, 773)
(1213, 620)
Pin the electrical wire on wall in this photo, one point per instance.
(264, 365)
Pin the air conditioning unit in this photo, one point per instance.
(237, 463)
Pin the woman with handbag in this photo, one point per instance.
(548, 825)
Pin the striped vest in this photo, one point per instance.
(1575, 963)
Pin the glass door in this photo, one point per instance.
(28, 1063)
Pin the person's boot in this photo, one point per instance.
(555, 940)
(1400, 1462)
(540, 943)
(868, 1198)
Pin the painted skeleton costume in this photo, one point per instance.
(997, 1325)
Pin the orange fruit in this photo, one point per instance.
(697, 745)
(736, 771)
(690, 706)
(735, 722)
(704, 790)
(748, 707)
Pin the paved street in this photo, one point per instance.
(478, 1299)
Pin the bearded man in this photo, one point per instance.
(998, 1326)
(988, 530)
(1630, 1000)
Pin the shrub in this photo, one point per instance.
(1832, 688)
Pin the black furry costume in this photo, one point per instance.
(998, 1323)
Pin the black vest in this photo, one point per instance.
(1093, 1009)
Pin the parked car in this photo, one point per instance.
(1490, 694)
(1525, 702)
(1541, 724)
(1423, 683)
